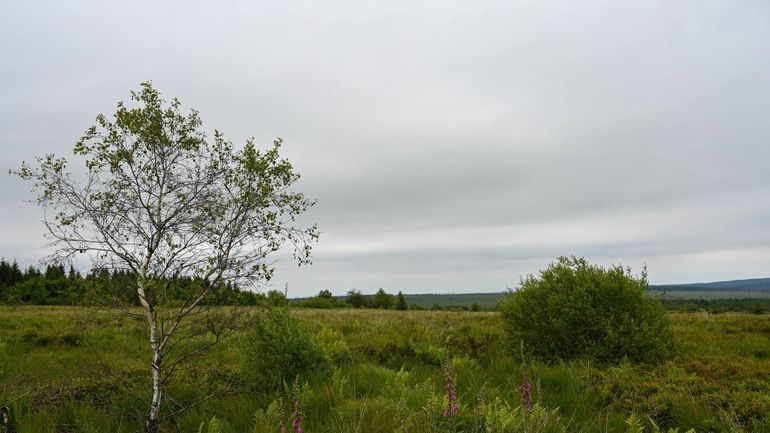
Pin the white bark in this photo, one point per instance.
(157, 357)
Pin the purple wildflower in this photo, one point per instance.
(296, 422)
(296, 416)
(451, 390)
(526, 392)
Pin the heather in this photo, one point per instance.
(76, 369)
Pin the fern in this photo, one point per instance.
(213, 427)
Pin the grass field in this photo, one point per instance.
(70, 369)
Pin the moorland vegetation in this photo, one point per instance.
(75, 369)
(165, 339)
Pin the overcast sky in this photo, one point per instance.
(452, 146)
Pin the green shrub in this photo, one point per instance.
(382, 299)
(278, 349)
(356, 299)
(577, 310)
(401, 302)
(334, 345)
(275, 298)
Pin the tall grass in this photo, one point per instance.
(86, 372)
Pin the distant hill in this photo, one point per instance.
(751, 285)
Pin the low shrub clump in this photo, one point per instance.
(278, 349)
(575, 310)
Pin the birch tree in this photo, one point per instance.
(158, 199)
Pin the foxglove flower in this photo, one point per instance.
(451, 390)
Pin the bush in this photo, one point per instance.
(401, 302)
(334, 345)
(577, 310)
(278, 349)
(382, 299)
(355, 298)
(275, 298)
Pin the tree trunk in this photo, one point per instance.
(157, 390)
(151, 426)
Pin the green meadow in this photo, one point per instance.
(73, 369)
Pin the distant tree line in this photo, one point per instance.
(60, 285)
(56, 284)
(380, 300)
(355, 299)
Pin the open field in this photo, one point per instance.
(76, 370)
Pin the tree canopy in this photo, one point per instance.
(155, 198)
(382, 299)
